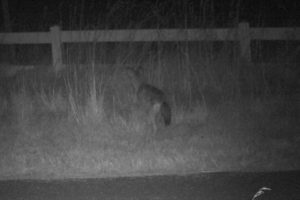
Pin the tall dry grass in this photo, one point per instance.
(84, 121)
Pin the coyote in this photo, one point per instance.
(153, 102)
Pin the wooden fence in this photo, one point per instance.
(242, 34)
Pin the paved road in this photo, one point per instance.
(216, 186)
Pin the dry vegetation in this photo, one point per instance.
(227, 116)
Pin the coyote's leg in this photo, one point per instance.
(153, 116)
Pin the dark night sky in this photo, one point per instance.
(36, 15)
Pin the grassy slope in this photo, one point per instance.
(52, 136)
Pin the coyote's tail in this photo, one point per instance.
(165, 112)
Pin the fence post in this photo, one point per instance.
(56, 48)
(244, 41)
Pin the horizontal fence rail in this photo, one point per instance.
(242, 34)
